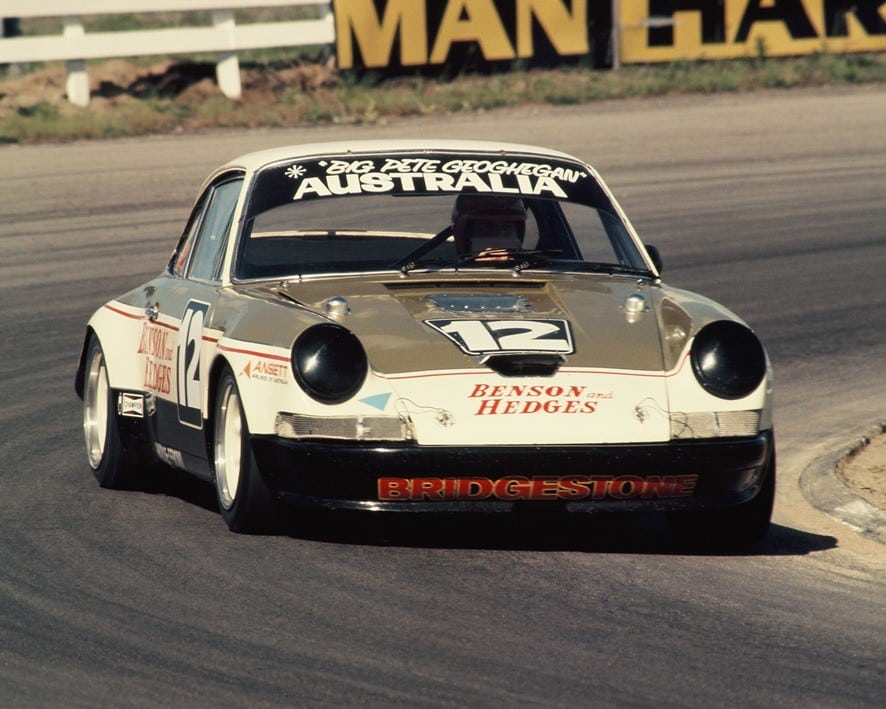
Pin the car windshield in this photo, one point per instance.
(306, 218)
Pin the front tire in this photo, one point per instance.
(732, 527)
(244, 500)
(104, 447)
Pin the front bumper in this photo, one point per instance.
(693, 474)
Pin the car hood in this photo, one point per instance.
(402, 323)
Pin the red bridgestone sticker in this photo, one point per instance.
(578, 487)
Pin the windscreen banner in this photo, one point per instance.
(669, 30)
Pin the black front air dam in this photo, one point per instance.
(651, 476)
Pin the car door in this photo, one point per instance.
(185, 301)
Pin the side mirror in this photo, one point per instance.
(655, 257)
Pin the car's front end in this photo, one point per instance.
(636, 397)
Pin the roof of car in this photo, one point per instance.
(256, 160)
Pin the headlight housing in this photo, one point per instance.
(728, 359)
(329, 363)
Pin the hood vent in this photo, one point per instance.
(479, 303)
(525, 365)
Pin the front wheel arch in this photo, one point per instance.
(219, 365)
(251, 507)
(116, 461)
(80, 377)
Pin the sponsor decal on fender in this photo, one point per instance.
(265, 371)
(154, 344)
(570, 488)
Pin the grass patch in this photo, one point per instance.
(285, 93)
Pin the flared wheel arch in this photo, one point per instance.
(251, 508)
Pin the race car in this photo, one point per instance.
(414, 326)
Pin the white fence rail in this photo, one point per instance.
(225, 37)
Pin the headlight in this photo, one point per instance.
(728, 359)
(329, 363)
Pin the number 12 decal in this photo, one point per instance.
(190, 339)
(481, 337)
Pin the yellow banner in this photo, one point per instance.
(668, 30)
(380, 34)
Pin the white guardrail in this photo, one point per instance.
(74, 46)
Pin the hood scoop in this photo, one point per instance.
(525, 365)
(479, 303)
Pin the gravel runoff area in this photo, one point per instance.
(864, 471)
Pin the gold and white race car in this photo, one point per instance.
(428, 326)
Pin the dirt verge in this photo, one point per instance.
(153, 97)
(864, 471)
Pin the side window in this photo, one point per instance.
(213, 230)
(179, 261)
(591, 230)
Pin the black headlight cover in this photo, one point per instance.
(728, 359)
(329, 363)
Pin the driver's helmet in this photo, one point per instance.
(486, 223)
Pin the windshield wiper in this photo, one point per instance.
(408, 262)
(595, 267)
(584, 266)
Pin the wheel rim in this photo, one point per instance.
(228, 447)
(95, 409)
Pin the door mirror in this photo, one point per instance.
(655, 257)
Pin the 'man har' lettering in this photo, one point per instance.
(792, 14)
(373, 182)
(675, 29)
(358, 23)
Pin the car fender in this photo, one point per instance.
(683, 315)
(116, 326)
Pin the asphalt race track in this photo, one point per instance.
(774, 204)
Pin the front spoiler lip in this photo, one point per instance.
(521, 506)
(336, 475)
